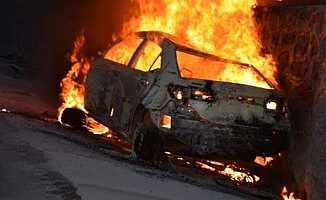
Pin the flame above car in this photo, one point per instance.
(225, 28)
(221, 27)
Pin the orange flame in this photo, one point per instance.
(287, 196)
(239, 176)
(73, 87)
(263, 161)
(230, 171)
(222, 27)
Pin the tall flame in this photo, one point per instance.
(73, 87)
(222, 27)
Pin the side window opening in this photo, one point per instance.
(123, 51)
(149, 58)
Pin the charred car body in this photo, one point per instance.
(155, 92)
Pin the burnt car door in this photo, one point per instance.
(105, 84)
(129, 84)
(142, 70)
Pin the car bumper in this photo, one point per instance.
(206, 138)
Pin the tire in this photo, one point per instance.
(74, 117)
(147, 144)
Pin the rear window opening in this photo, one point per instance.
(202, 67)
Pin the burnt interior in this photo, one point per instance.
(294, 31)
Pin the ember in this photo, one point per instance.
(286, 196)
(263, 161)
(4, 110)
(233, 36)
(239, 176)
(230, 171)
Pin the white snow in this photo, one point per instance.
(97, 176)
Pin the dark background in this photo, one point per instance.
(41, 33)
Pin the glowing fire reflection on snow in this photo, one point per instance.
(231, 171)
(225, 28)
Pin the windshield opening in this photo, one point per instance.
(207, 68)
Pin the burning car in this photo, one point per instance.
(163, 95)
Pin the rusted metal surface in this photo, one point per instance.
(235, 121)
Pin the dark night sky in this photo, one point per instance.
(42, 32)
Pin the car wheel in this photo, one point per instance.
(147, 143)
(74, 117)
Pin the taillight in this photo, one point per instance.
(202, 95)
(272, 105)
(276, 105)
(182, 93)
(166, 121)
(178, 92)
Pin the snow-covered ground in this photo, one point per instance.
(35, 165)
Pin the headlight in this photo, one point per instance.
(271, 105)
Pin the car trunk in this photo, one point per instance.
(236, 103)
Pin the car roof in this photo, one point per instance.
(159, 37)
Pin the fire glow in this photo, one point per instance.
(225, 28)
(263, 161)
(72, 86)
(230, 171)
(286, 196)
(73, 89)
(221, 27)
